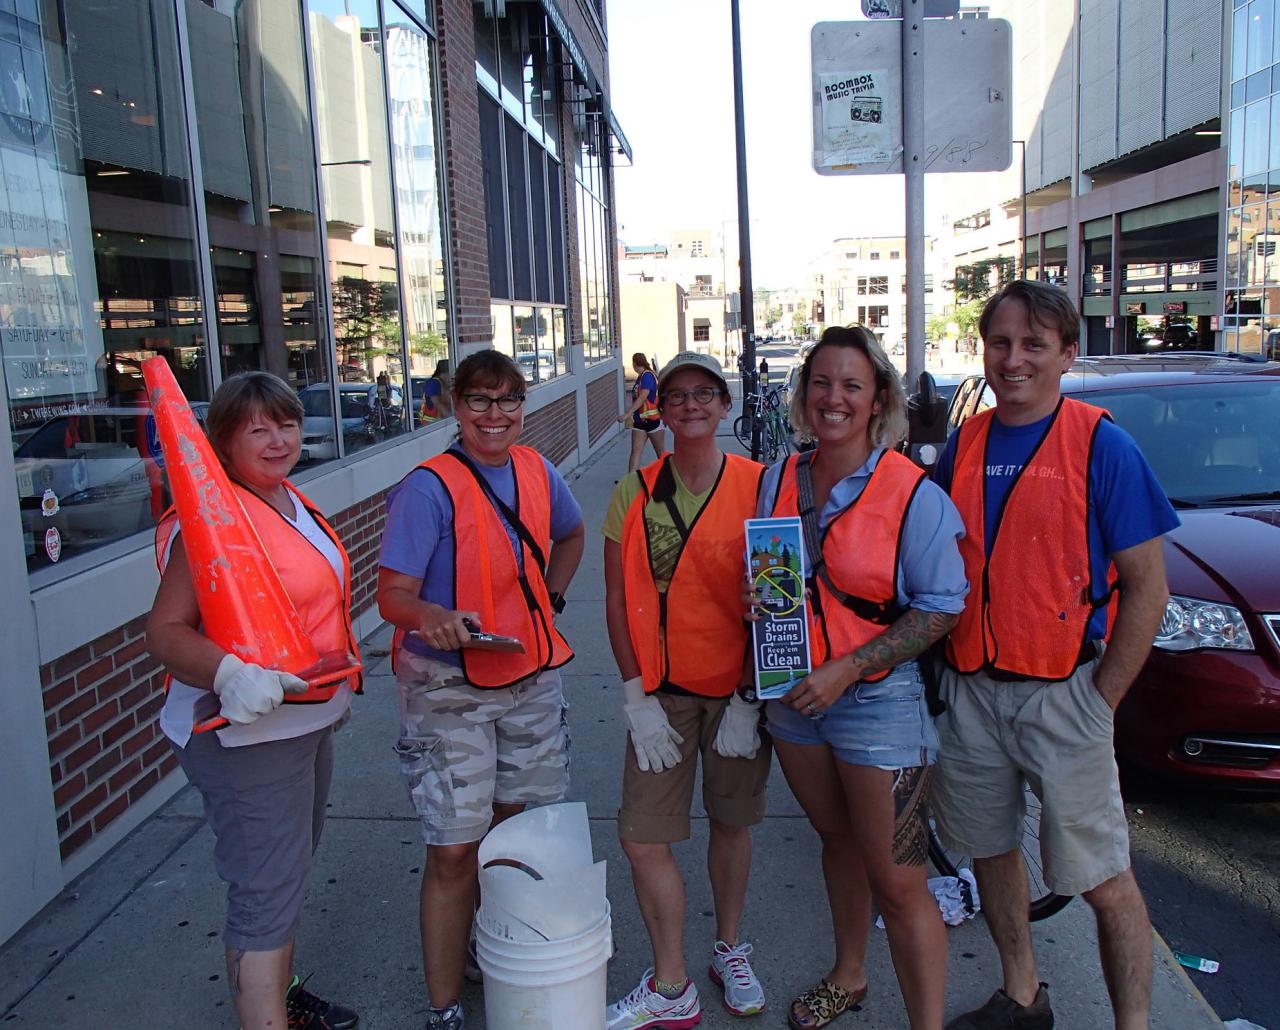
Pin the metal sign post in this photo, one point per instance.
(913, 40)
(748, 317)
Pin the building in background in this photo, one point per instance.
(345, 194)
(1119, 176)
(707, 317)
(864, 282)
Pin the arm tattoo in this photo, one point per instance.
(908, 637)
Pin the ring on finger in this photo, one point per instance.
(810, 707)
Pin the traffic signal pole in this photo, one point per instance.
(913, 181)
(747, 313)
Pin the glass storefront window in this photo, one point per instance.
(562, 341)
(350, 105)
(500, 315)
(1258, 54)
(258, 165)
(1257, 118)
(409, 56)
(545, 347)
(526, 343)
(1239, 43)
(98, 265)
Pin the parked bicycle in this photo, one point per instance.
(1044, 902)
(767, 408)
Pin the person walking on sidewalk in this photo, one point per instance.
(673, 556)
(485, 536)
(264, 778)
(854, 737)
(1064, 518)
(646, 421)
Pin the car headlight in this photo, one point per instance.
(1189, 624)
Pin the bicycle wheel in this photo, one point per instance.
(742, 430)
(1044, 902)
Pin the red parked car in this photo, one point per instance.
(1207, 702)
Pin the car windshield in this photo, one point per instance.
(1208, 442)
(316, 403)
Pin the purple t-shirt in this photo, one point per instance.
(418, 538)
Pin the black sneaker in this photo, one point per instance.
(1003, 1013)
(307, 1012)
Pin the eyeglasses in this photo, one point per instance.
(703, 395)
(481, 402)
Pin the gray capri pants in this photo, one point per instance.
(265, 804)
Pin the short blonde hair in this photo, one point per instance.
(889, 427)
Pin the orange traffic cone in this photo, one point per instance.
(243, 605)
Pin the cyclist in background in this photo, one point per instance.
(646, 422)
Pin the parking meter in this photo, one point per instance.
(926, 423)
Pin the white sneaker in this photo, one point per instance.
(646, 1008)
(743, 995)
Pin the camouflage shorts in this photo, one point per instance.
(461, 747)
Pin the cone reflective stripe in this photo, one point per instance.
(243, 605)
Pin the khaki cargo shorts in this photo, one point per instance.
(462, 748)
(655, 805)
(1056, 738)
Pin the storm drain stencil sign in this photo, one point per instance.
(780, 638)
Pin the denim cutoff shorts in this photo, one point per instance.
(885, 724)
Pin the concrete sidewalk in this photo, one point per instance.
(135, 943)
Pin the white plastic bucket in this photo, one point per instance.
(545, 985)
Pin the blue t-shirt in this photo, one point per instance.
(930, 570)
(1128, 506)
(418, 538)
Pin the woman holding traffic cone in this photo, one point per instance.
(484, 537)
(265, 777)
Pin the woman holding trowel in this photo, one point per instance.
(480, 542)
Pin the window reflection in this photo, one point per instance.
(346, 55)
(413, 149)
(258, 162)
(97, 263)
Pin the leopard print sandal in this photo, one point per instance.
(824, 1002)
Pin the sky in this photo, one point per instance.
(671, 86)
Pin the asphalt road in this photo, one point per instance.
(1208, 863)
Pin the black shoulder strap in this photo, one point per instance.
(503, 509)
(664, 490)
(871, 611)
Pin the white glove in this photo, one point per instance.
(652, 737)
(247, 692)
(739, 732)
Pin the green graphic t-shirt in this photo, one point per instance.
(663, 535)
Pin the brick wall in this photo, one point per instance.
(103, 699)
(360, 530)
(553, 429)
(602, 405)
(463, 172)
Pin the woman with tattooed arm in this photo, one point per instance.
(855, 738)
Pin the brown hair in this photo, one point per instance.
(1047, 307)
(244, 395)
(889, 427)
(487, 368)
(638, 358)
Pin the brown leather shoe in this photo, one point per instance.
(1003, 1013)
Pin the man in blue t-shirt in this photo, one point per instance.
(1049, 491)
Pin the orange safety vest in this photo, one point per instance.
(1030, 602)
(649, 410)
(486, 578)
(861, 546)
(693, 636)
(307, 576)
